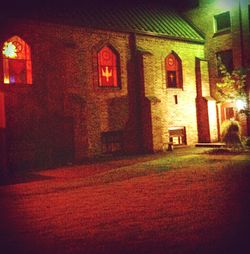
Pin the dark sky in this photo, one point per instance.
(27, 5)
(33, 8)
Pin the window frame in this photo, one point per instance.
(175, 68)
(117, 67)
(225, 29)
(7, 62)
(229, 113)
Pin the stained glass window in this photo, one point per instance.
(16, 62)
(108, 68)
(173, 71)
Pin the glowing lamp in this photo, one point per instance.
(240, 104)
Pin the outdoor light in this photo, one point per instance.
(240, 104)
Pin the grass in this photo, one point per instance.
(128, 167)
(164, 164)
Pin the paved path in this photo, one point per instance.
(107, 208)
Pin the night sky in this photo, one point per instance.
(17, 6)
(43, 9)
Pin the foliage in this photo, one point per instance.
(231, 134)
(232, 85)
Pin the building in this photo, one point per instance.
(74, 86)
(225, 24)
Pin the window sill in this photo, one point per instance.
(15, 87)
(174, 88)
(221, 32)
(108, 89)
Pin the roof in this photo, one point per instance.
(139, 19)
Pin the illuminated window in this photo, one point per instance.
(222, 21)
(108, 68)
(226, 58)
(173, 71)
(16, 62)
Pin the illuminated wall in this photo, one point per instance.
(95, 92)
(225, 24)
(170, 107)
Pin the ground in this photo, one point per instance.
(185, 201)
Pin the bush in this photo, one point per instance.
(231, 134)
(247, 141)
(223, 151)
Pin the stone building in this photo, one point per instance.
(225, 24)
(77, 86)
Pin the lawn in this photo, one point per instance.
(185, 201)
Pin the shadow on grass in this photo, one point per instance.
(228, 151)
(18, 178)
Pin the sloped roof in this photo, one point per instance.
(143, 19)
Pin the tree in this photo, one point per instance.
(232, 86)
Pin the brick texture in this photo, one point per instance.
(60, 118)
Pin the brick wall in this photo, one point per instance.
(64, 113)
(65, 100)
(203, 18)
(165, 113)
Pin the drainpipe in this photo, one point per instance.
(241, 37)
(136, 82)
(243, 62)
(3, 148)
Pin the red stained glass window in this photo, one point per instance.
(173, 71)
(108, 68)
(16, 62)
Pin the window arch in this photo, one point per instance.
(16, 61)
(108, 67)
(173, 71)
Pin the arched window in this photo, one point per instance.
(173, 71)
(108, 64)
(16, 62)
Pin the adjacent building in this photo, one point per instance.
(225, 24)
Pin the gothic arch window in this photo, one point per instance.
(16, 62)
(108, 68)
(173, 71)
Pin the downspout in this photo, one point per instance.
(134, 55)
(241, 37)
(3, 145)
(243, 63)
